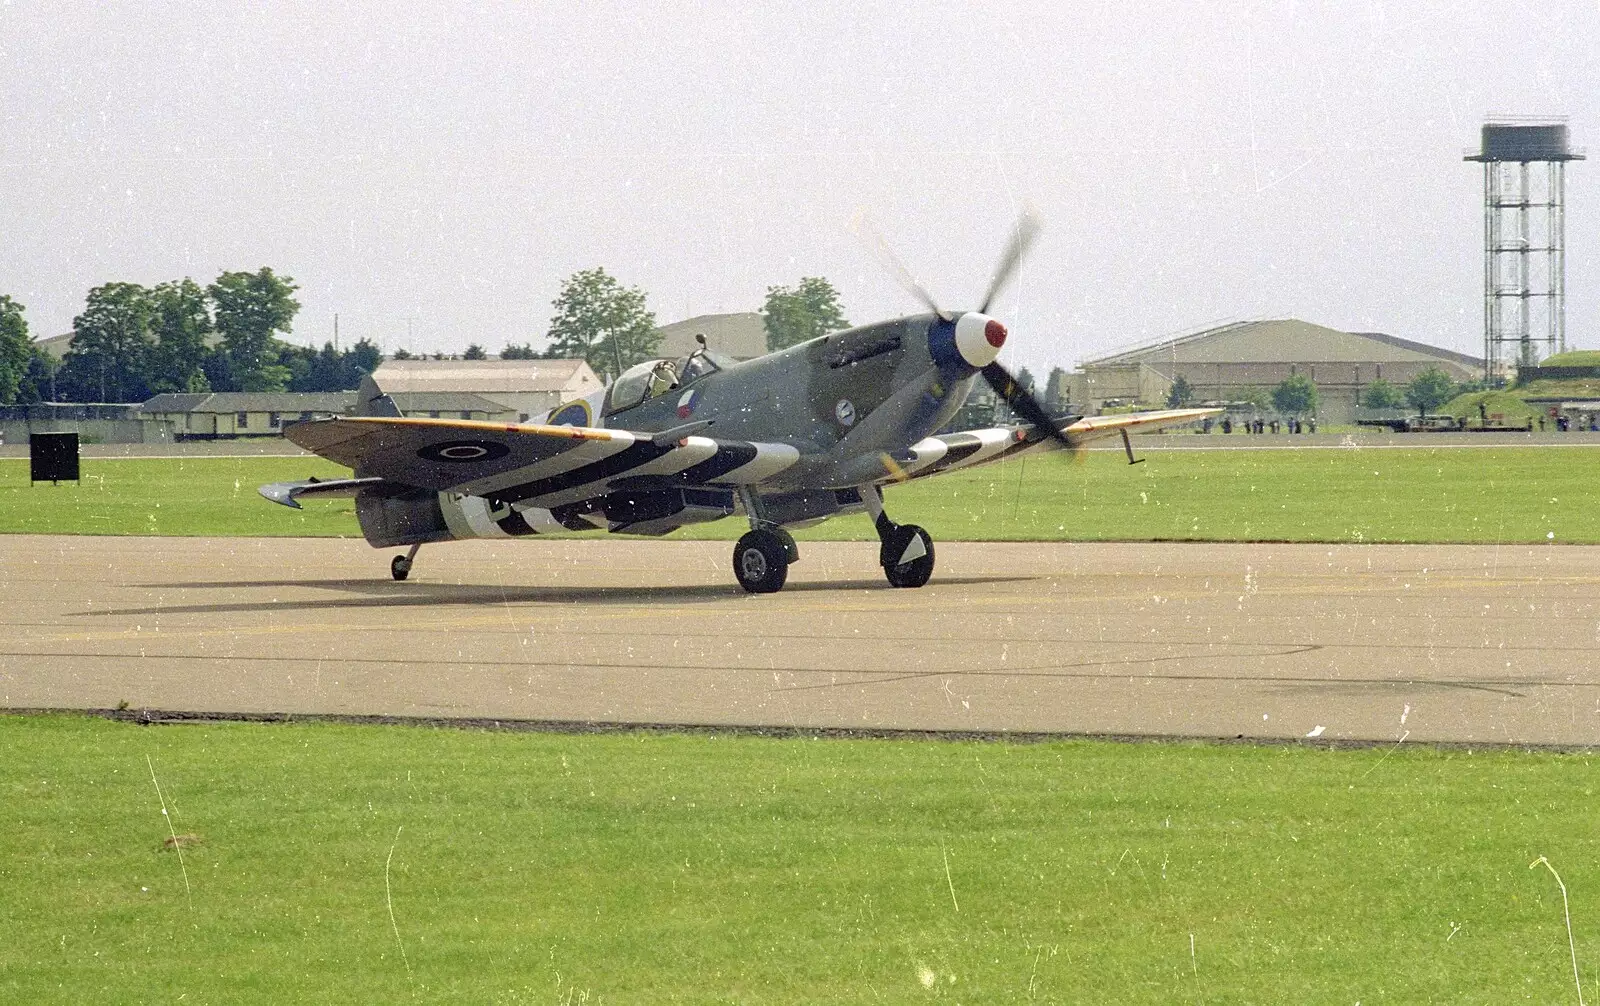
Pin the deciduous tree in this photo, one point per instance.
(251, 309)
(1296, 396)
(109, 354)
(1430, 389)
(602, 322)
(798, 314)
(181, 324)
(39, 382)
(16, 349)
(1380, 394)
(359, 361)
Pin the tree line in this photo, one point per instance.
(132, 342)
(611, 327)
(1297, 395)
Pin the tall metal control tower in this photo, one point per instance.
(1524, 246)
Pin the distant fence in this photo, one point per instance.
(90, 431)
(66, 412)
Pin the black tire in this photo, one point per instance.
(908, 574)
(761, 562)
(400, 567)
(790, 549)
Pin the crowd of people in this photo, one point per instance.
(1255, 425)
(1294, 424)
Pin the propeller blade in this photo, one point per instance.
(1022, 238)
(896, 268)
(1022, 401)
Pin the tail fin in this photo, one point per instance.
(371, 401)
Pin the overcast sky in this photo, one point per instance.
(439, 170)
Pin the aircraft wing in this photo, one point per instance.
(545, 466)
(967, 449)
(1094, 427)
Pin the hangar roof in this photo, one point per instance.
(1283, 340)
(333, 402)
(742, 336)
(485, 376)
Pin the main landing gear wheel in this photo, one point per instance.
(761, 560)
(907, 556)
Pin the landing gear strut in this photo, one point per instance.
(400, 565)
(906, 550)
(761, 558)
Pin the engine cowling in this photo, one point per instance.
(401, 515)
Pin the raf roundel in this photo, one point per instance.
(845, 412)
(464, 451)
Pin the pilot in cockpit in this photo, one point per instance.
(663, 378)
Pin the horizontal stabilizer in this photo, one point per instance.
(288, 493)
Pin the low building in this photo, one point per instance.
(741, 336)
(231, 414)
(1220, 363)
(235, 414)
(523, 389)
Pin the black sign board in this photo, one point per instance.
(53, 456)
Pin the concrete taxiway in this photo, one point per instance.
(1476, 644)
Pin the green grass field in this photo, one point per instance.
(1343, 494)
(534, 868)
(538, 868)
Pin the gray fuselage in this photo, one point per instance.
(845, 400)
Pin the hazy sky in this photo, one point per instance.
(445, 167)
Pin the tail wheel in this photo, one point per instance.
(400, 567)
(908, 557)
(761, 561)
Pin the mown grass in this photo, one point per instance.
(1567, 387)
(1419, 494)
(671, 868)
(178, 496)
(1573, 358)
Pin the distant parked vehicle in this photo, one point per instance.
(1432, 424)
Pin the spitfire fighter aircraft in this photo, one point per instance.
(787, 440)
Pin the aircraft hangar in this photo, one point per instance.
(1219, 362)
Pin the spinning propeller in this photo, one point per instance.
(973, 329)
